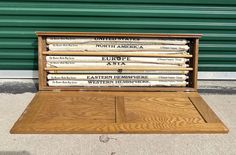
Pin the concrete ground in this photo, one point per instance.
(15, 96)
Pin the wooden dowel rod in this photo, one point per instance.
(119, 54)
(123, 69)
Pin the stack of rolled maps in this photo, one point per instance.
(118, 44)
(115, 78)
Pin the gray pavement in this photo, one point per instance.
(15, 96)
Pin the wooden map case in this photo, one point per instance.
(117, 110)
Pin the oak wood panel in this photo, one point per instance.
(58, 108)
(82, 109)
(175, 111)
(120, 109)
(85, 112)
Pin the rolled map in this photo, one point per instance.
(122, 40)
(70, 64)
(158, 60)
(112, 83)
(117, 47)
(117, 77)
(122, 72)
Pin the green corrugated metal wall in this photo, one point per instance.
(216, 19)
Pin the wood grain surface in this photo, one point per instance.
(120, 109)
(116, 112)
(119, 34)
(175, 110)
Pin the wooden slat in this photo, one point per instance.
(123, 69)
(169, 94)
(91, 128)
(206, 112)
(114, 34)
(44, 75)
(126, 89)
(137, 54)
(41, 62)
(195, 63)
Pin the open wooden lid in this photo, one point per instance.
(71, 112)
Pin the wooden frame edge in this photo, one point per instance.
(16, 124)
(177, 35)
(207, 113)
(125, 128)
